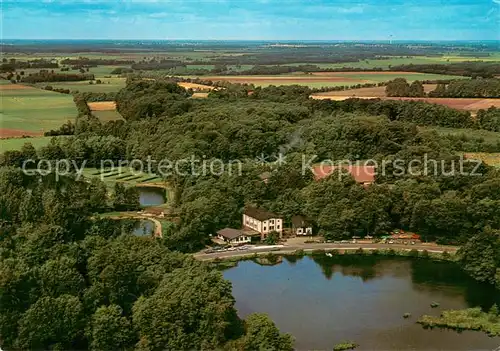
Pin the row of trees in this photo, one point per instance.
(55, 77)
(474, 69)
(473, 88)
(400, 87)
(470, 88)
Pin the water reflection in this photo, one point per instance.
(151, 196)
(325, 300)
(143, 228)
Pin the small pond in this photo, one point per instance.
(151, 196)
(144, 228)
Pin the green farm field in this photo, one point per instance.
(387, 62)
(201, 55)
(17, 143)
(106, 116)
(33, 110)
(108, 85)
(487, 136)
(328, 79)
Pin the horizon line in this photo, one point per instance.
(266, 40)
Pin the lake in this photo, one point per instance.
(151, 196)
(144, 227)
(324, 301)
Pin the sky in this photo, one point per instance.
(252, 19)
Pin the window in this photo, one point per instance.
(278, 227)
(271, 228)
(272, 221)
(265, 228)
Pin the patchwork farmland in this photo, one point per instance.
(328, 79)
(30, 111)
(466, 104)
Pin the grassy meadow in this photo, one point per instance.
(487, 136)
(328, 79)
(17, 143)
(34, 110)
(108, 85)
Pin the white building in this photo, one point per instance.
(234, 236)
(262, 221)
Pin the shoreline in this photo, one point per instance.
(311, 249)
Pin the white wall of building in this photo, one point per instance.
(264, 227)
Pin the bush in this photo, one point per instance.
(318, 252)
(346, 345)
(360, 251)
(299, 253)
(413, 253)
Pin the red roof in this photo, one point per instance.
(361, 174)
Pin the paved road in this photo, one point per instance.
(310, 247)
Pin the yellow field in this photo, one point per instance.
(195, 86)
(491, 159)
(102, 106)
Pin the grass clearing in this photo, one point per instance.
(106, 116)
(105, 111)
(488, 136)
(17, 143)
(29, 109)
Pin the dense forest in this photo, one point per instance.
(73, 281)
(119, 290)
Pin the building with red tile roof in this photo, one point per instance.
(362, 174)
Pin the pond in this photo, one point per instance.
(324, 301)
(151, 196)
(144, 228)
